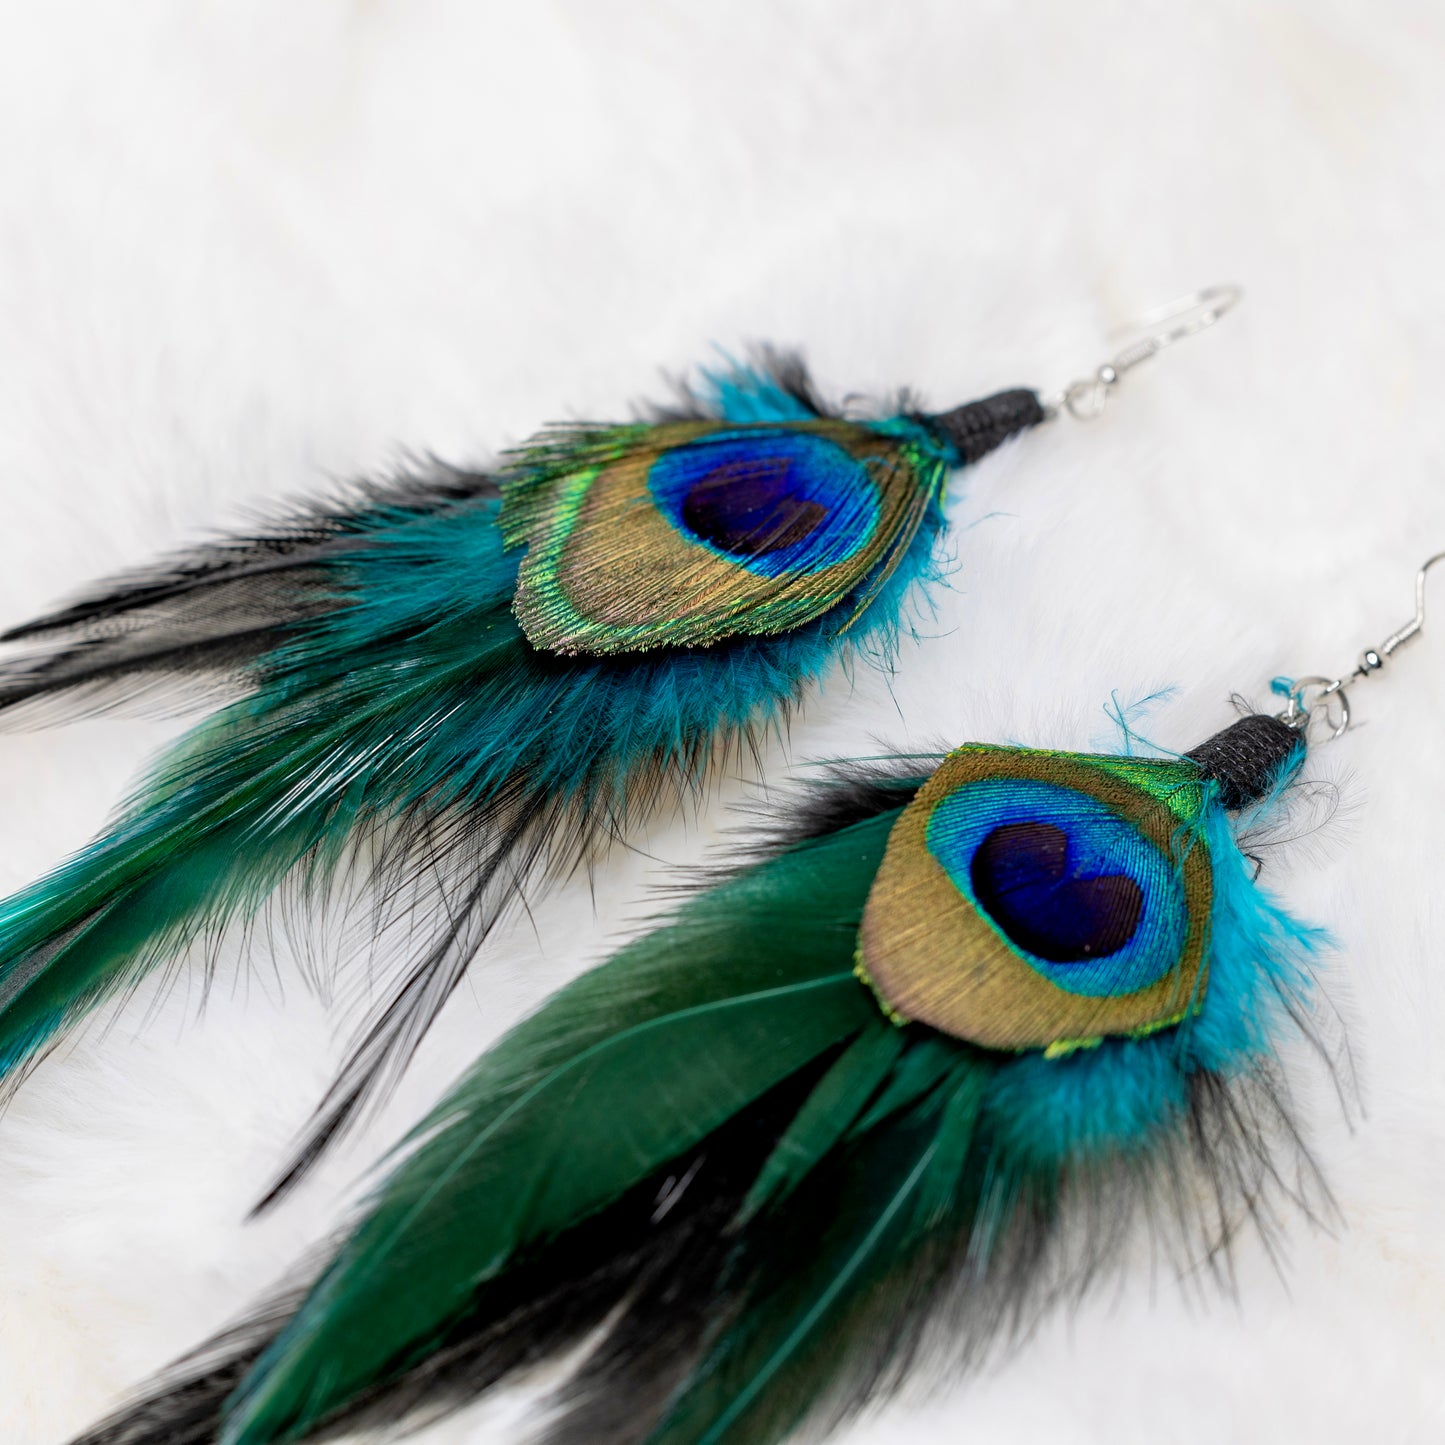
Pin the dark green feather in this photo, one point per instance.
(832, 1106)
(546, 1131)
(834, 1286)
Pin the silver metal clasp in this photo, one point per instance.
(1148, 336)
(1327, 699)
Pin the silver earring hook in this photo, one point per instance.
(1148, 336)
(1372, 659)
(1329, 697)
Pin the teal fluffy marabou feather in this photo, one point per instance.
(774, 1198)
(391, 710)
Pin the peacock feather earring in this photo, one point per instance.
(899, 1079)
(453, 682)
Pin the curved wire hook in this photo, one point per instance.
(1148, 336)
(1329, 697)
(1372, 659)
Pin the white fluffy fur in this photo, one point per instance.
(248, 245)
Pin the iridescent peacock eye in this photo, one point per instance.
(750, 508)
(1027, 878)
(717, 531)
(1033, 899)
(774, 501)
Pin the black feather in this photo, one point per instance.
(202, 618)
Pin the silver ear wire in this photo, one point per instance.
(1329, 698)
(1372, 659)
(1148, 336)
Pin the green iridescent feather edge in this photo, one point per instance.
(768, 1198)
(382, 712)
(1178, 786)
(550, 482)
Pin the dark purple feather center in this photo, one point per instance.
(1021, 877)
(747, 507)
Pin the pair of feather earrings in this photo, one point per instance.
(861, 1078)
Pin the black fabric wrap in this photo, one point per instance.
(977, 428)
(1247, 758)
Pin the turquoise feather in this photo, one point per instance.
(389, 697)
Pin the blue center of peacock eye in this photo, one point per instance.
(748, 506)
(1077, 890)
(1024, 879)
(778, 502)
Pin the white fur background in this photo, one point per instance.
(247, 246)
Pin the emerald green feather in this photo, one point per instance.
(926, 1064)
(822, 1304)
(832, 1106)
(545, 1131)
(455, 1216)
(209, 838)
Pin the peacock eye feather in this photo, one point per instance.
(687, 534)
(1043, 900)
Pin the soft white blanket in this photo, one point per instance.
(247, 246)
